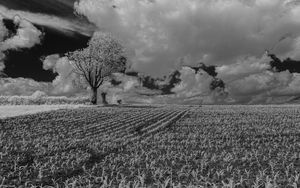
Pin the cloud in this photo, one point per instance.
(293, 87)
(27, 36)
(243, 68)
(230, 34)
(65, 25)
(295, 53)
(50, 61)
(125, 91)
(2, 65)
(188, 87)
(248, 82)
(62, 85)
(66, 79)
(196, 88)
(3, 34)
(64, 82)
(3, 30)
(163, 33)
(264, 87)
(68, 83)
(193, 84)
(22, 86)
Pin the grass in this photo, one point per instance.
(40, 99)
(17, 110)
(209, 146)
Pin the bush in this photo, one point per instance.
(40, 98)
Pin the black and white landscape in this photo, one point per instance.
(149, 93)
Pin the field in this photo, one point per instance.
(153, 146)
(17, 110)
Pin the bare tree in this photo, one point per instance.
(104, 56)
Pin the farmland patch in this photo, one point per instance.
(209, 146)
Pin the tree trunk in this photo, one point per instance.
(103, 95)
(94, 96)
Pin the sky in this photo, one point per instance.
(161, 37)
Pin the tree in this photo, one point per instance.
(104, 56)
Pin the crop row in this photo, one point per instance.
(66, 123)
(48, 148)
(211, 146)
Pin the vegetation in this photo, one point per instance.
(18, 110)
(211, 146)
(103, 57)
(42, 100)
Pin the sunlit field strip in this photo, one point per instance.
(7, 111)
(43, 124)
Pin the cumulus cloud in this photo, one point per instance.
(126, 90)
(295, 53)
(264, 87)
(26, 37)
(192, 87)
(243, 68)
(195, 87)
(67, 82)
(232, 34)
(64, 82)
(3, 30)
(2, 65)
(63, 85)
(249, 81)
(50, 62)
(161, 33)
(66, 79)
(292, 88)
(22, 86)
(193, 84)
(3, 34)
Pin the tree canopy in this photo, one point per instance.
(104, 56)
